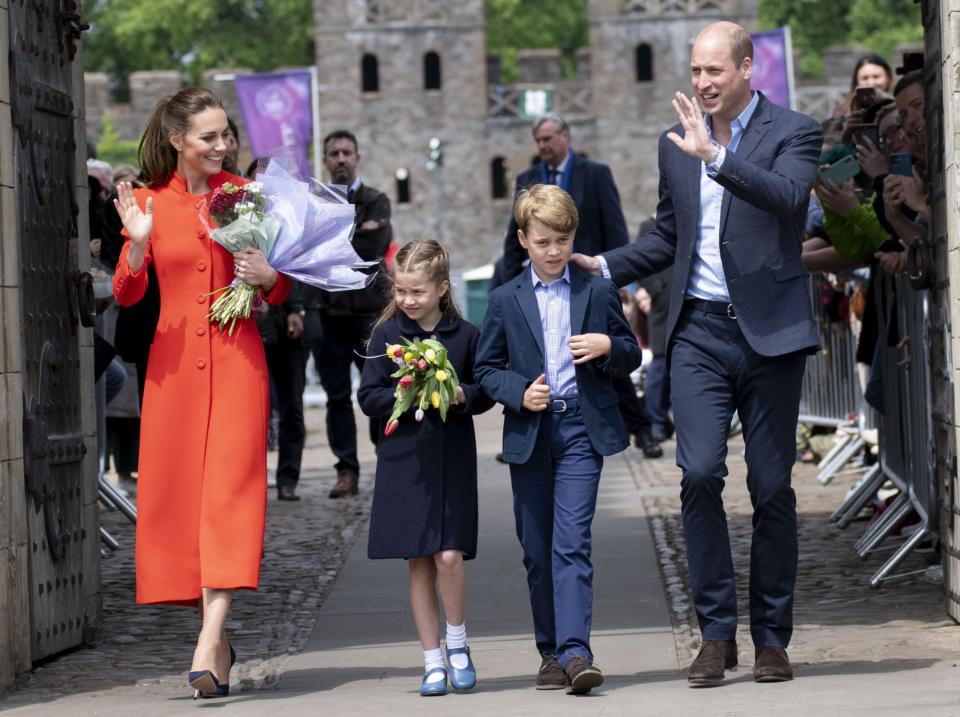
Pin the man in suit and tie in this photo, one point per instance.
(601, 228)
(346, 317)
(735, 179)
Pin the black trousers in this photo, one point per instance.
(287, 361)
(343, 345)
(713, 372)
(632, 409)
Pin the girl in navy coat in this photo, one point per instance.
(425, 496)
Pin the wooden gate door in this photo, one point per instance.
(55, 298)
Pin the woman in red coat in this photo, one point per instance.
(202, 473)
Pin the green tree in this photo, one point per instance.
(195, 35)
(531, 24)
(114, 150)
(817, 24)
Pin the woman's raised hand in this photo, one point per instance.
(137, 223)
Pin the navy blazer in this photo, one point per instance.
(600, 225)
(767, 182)
(510, 356)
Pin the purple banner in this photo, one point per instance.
(276, 112)
(773, 65)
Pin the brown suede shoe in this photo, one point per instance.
(551, 676)
(714, 657)
(346, 485)
(772, 665)
(582, 675)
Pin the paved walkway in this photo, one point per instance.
(363, 658)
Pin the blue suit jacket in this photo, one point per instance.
(767, 182)
(600, 225)
(510, 356)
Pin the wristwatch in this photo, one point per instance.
(716, 153)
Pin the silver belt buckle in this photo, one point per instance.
(558, 405)
(731, 314)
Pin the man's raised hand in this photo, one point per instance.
(696, 140)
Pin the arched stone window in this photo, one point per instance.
(644, 63)
(498, 177)
(432, 79)
(369, 73)
(402, 177)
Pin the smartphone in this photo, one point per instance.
(841, 170)
(901, 163)
(866, 95)
(870, 131)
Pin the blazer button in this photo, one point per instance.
(200, 331)
(201, 266)
(201, 299)
(201, 234)
(201, 363)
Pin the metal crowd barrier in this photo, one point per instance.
(906, 428)
(831, 393)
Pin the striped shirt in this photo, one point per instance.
(553, 301)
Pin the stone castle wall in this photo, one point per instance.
(615, 118)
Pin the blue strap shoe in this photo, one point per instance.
(465, 679)
(434, 689)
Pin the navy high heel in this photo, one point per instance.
(206, 685)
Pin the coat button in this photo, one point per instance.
(200, 331)
(201, 266)
(201, 299)
(201, 363)
(201, 234)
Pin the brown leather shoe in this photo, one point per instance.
(551, 675)
(582, 675)
(346, 485)
(714, 657)
(772, 665)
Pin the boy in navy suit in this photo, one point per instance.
(552, 338)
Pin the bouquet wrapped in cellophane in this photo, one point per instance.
(426, 378)
(303, 229)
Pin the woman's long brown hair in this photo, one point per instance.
(171, 115)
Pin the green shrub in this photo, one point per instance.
(114, 150)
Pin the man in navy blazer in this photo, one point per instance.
(600, 227)
(735, 179)
(600, 222)
(551, 340)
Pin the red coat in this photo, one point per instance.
(201, 494)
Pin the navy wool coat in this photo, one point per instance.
(425, 496)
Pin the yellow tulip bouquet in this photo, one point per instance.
(426, 378)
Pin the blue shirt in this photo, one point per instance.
(553, 302)
(707, 280)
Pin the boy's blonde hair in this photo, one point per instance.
(549, 205)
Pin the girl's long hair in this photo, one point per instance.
(424, 255)
(171, 115)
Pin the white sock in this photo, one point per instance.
(457, 637)
(431, 660)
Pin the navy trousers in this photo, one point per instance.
(657, 394)
(713, 371)
(554, 499)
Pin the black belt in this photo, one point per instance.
(562, 404)
(711, 307)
